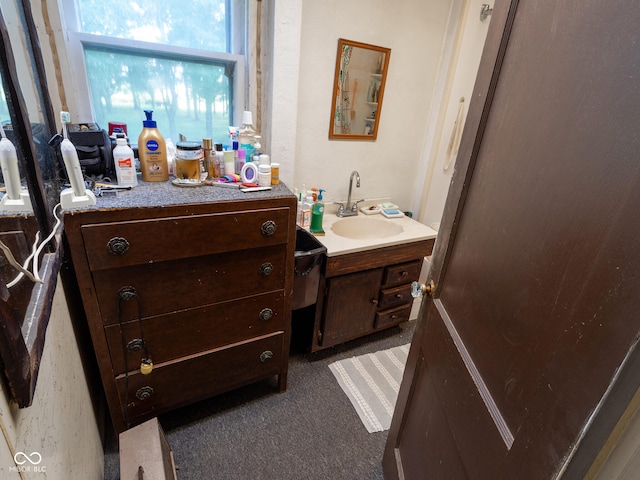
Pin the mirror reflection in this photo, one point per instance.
(358, 90)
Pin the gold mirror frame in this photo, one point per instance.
(358, 90)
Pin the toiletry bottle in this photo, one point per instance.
(209, 158)
(218, 162)
(257, 150)
(246, 136)
(124, 161)
(306, 211)
(235, 146)
(240, 160)
(317, 212)
(152, 152)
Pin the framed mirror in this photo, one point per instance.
(358, 90)
(25, 303)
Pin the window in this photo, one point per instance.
(175, 57)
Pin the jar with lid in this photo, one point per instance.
(264, 175)
(188, 161)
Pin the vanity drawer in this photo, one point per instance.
(167, 287)
(394, 296)
(402, 273)
(110, 245)
(185, 381)
(192, 331)
(393, 316)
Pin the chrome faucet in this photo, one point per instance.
(350, 210)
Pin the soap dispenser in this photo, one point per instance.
(317, 212)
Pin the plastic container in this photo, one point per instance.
(308, 258)
(264, 175)
(152, 151)
(124, 161)
(275, 173)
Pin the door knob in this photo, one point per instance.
(418, 289)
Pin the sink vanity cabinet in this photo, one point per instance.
(199, 280)
(367, 291)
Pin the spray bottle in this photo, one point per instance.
(317, 212)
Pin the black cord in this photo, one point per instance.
(124, 295)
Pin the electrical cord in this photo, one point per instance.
(35, 254)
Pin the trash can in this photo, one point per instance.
(309, 256)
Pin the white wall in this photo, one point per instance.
(60, 425)
(414, 31)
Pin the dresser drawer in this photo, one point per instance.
(394, 296)
(110, 245)
(166, 287)
(187, 332)
(178, 383)
(402, 273)
(393, 316)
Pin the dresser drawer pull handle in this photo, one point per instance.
(268, 228)
(374, 301)
(127, 293)
(118, 245)
(266, 355)
(394, 317)
(144, 393)
(399, 295)
(404, 273)
(135, 345)
(266, 314)
(266, 269)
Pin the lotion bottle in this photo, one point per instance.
(152, 151)
(125, 163)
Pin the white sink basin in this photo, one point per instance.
(365, 227)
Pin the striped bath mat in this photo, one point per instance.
(372, 382)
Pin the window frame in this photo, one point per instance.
(76, 41)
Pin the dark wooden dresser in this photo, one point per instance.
(198, 280)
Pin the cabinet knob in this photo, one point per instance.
(135, 345)
(266, 356)
(127, 293)
(118, 245)
(266, 314)
(374, 301)
(266, 269)
(399, 295)
(144, 393)
(268, 228)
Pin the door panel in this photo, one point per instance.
(535, 308)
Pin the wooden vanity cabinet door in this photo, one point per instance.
(350, 306)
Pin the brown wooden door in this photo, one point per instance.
(526, 356)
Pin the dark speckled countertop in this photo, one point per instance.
(163, 194)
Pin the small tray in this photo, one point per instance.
(183, 182)
(372, 210)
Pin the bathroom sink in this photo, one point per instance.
(365, 227)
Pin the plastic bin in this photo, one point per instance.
(309, 256)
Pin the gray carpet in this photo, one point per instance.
(310, 432)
